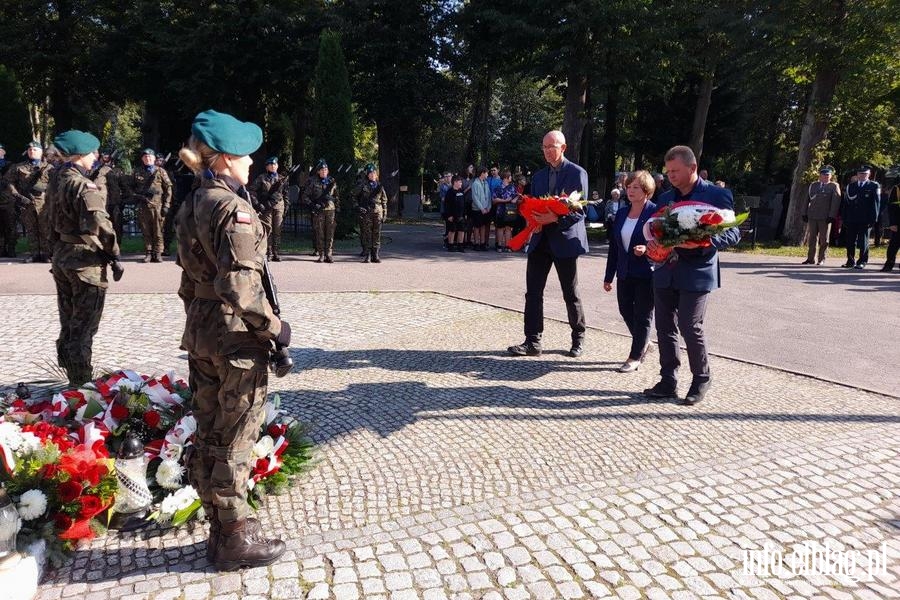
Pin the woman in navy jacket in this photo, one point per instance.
(626, 261)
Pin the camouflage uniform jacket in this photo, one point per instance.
(109, 180)
(321, 194)
(221, 250)
(25, 182)
(153, 187)
(78, 210)
(261, 190)
(371, 198)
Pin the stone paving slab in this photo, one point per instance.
(450, 470)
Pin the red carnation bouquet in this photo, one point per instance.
(687, 225)
(529, 205)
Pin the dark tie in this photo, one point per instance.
(552, 182)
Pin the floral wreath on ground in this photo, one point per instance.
(56, 454)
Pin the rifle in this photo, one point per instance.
(280, 361)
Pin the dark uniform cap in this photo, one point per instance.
(826, 170)
(76, 143)
(370, 168)
(272, 160)
(148, 151)
(224, 133)
(863, 169)
(2, 147)
(321, 164)
(34, 145)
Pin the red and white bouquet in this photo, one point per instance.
(529, 205)
(687, 224)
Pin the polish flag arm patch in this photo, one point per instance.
(243, 217)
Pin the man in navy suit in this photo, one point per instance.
(559, 242)
(682, 284)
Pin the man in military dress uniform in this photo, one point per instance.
(151, 190)
(84, 244)
(859, 212)
(8, 234)
(26, 183)
(321, 195)
(819, 213)
(371, 202)
(267, 193)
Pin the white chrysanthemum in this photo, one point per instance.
(10, 435)
(263, 447)
(32, 504)
(168, 475)
(178, 500)
(29, 443)
(727, 215)
(687, 219)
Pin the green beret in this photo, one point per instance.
(76, 143)
(826, 170)
(370, 168)
(34, 145)
(2, 147)
(148, 152)
(224, 133)
(272, 160)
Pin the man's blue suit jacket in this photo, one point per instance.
(567, 237)
(697, 269)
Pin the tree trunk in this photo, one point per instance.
(389, 165)
(815, 126)
(574, 118)
(610, 134)
(701, 112)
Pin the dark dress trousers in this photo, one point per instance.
(558, 244)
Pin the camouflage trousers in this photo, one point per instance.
(80, 308)
(370, 229)
(168, 226)
(151, 220)
(272, 220)
(228, 400)
(8, 233)
(116, 217)
(323, 226)
(36, 220)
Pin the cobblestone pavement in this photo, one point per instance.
(449, 470)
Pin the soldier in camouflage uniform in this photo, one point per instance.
(109, 178)
(8, 233)
(371, 202)
(84, 244)
(228, 333)
(151, 190)
(322, 196)
(26, 184)
(267, 193)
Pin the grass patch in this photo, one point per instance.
(775, 248)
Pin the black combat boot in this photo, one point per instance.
(242, 545)
(367, 256)
(146, 258)
(155, 258)
(321, 257)
(275, 257)
(375, 257)
(329, 258)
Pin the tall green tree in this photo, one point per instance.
(15, 132)
(333, 122)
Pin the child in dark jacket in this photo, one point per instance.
(455, 215)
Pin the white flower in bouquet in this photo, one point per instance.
(177, 500)
(263, 447)
(30, 443)
(727, 215)
(168, 474)
(687, 219)
(32, 504)
(10, 435)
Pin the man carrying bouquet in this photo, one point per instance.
(682, 282)
(559, 241)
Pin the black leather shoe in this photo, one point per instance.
(576, 350)
(860, 266)
(807, 262)
(847, 265)
(525, 349)
(887, 268)
(696, 392)
(662, 390)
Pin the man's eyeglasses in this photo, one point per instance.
(551, 147)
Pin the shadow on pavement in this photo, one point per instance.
(869, 280)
